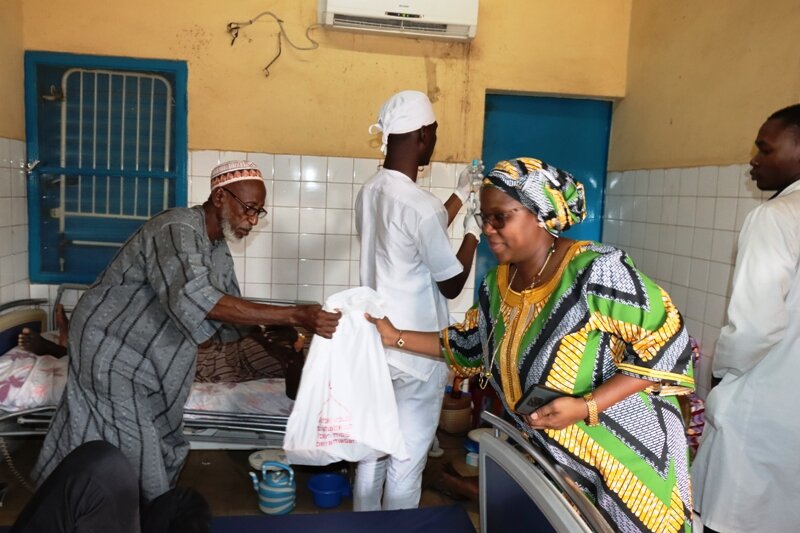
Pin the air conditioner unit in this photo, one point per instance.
(440, 19)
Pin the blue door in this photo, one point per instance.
(570, 133)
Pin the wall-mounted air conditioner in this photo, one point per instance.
(440, 19)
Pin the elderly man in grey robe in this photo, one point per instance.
(134, 334)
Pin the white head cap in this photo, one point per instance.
(404, 112)
(232, 171)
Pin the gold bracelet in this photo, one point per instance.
(592, 419)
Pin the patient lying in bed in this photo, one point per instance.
(264, 353)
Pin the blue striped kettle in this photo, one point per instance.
(276, 490)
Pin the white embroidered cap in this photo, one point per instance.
(232, 171)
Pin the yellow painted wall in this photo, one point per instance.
(321, 102)
(12, 122)
(702, 77)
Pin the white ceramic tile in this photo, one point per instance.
(625, 234)
(232, 156)
(285, 246)
(701, 243)
(355, 247)
(338, 221)
(694, 327)
(259, 244)
(725, 213)
(257, 290)
(680, 270)
(626, 208)
(310, 293)
(672, 182)
(239, 267)
(286, 167)
(637, 235)
(204, 161)
(728, 181)
(443, 175)
(200, 189)
(16, 153)
(424, 177)
(684, 237)
(19, 236)
(653, 214)
(689, 178)
(723, 246)
(312, 271)
(613, 182)
(707, 181)
(656, 182)
(284, 271)
(355, 276)
(257, 270)
(628, 183)
(18, 186)
(312, 221)
(6, 241)
(641, 180)
(286, 219)
(339, 196)
(312, 194)
(314, 168)
(22, 290)
(4, 152)
(669, 210)
(330, 290)
(6, 270)
(666, 238)
(610, 231)
(20, 267)
(664, 268)
(340, 169)
(282, 291)
(719, 278)
(363, 169)
(5, 182)
(640, 209)
(716, 307)
(286, 193)
(312, 246)
(611, 207)
(710, 338)
(705, 212)
(696, 305)
(337, 247)
(698, 275)
(743, 208)
(337, 272)
(441, 193)
(5, 212)
(686, 210)
(264, 162)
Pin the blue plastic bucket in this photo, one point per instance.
(328, 489)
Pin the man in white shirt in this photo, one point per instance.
(746, 476)
(407, 258)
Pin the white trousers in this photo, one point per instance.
(399, 483)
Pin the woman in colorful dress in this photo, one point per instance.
(578, 317)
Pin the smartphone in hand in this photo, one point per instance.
(537, 396)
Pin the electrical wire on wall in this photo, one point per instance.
(234, 27)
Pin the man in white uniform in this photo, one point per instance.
(746, 475)
(407, 258)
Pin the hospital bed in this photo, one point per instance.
(247, 415)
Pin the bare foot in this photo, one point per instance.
(62, 324)
(33, 342)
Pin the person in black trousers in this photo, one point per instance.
(95, 489)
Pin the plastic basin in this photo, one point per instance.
(328, 489)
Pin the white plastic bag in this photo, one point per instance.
(345, 407)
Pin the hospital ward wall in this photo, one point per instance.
(306, 123)
(702, 77)
(13, 214)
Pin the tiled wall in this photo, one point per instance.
(681, 228)
(307, 247)
(13, 223)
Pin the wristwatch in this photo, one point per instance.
(400, 342)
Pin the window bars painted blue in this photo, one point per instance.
(110, 138)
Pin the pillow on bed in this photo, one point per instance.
(28, 381)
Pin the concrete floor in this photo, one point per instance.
(222, 477)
